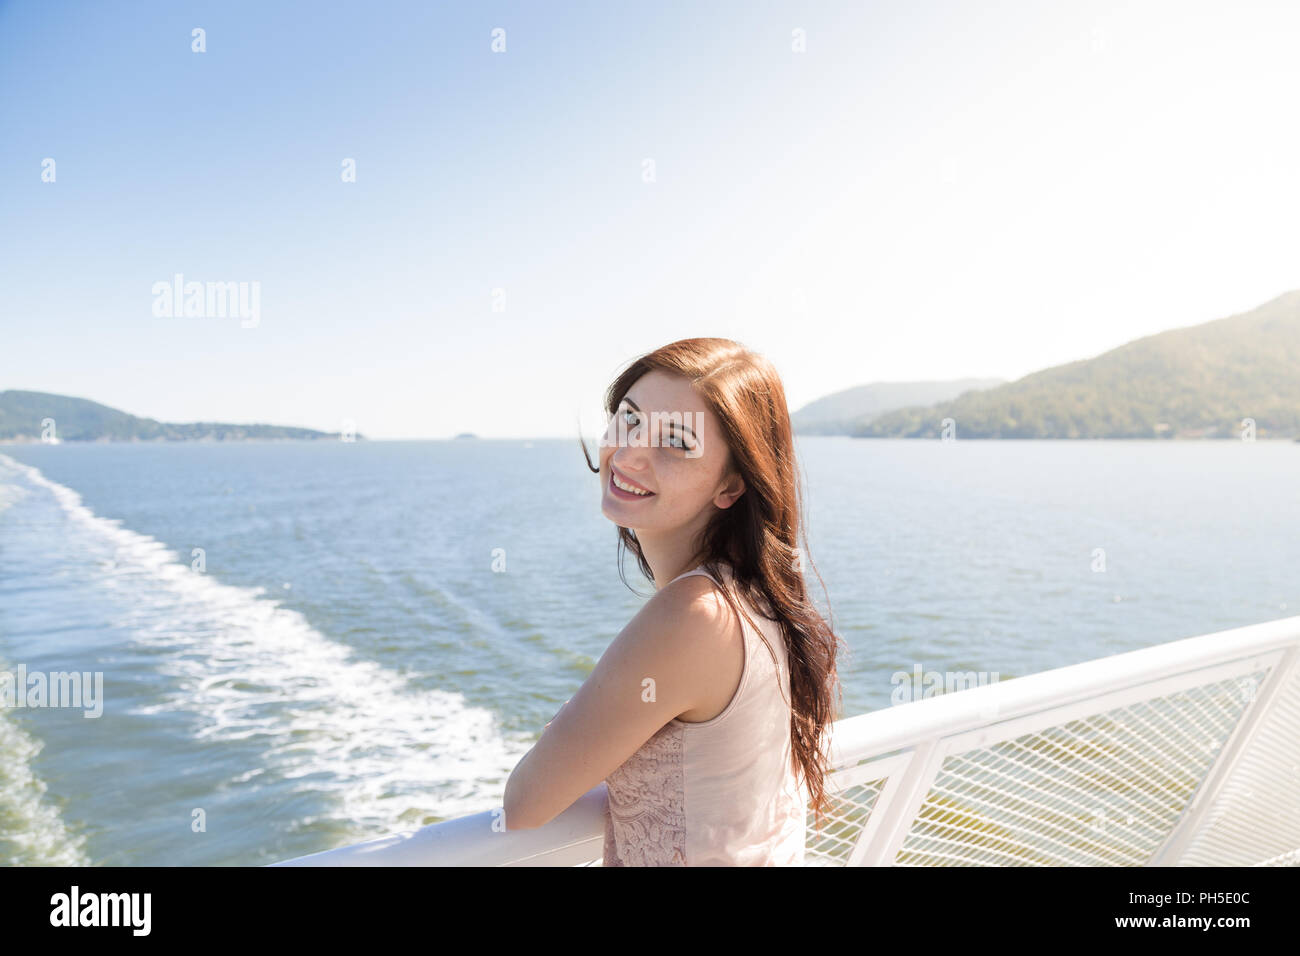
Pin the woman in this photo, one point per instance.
(706, 715)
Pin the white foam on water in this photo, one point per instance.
(32, 830)
(10, 493)
(246, 668)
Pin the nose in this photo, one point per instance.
(630, 459)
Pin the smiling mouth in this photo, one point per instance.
(624, 492)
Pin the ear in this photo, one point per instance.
(731, 491)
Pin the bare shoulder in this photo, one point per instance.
(695, 610)
(697, 636)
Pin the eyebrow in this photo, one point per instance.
(674, 424)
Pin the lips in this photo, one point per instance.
(627, 495)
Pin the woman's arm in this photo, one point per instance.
(557, 713)
(660, 665)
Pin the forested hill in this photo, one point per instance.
(24, 416)
(839, 412)
(1201, 381)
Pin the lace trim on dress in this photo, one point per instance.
(645, 824)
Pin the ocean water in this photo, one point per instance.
(308, 644)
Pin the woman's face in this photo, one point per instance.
(663, 439)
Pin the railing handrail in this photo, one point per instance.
(576, 835)
(904, 725)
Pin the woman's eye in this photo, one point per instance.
(675, 439)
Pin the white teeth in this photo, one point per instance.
(625, 487)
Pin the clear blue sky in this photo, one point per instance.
(931, 190)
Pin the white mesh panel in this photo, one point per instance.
(842, 826)
(1105, 790)
(1256, 818)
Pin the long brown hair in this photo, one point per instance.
(758, 535)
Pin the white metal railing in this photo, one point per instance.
(1187, 753)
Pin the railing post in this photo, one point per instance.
(1234, 747)
(899, 812)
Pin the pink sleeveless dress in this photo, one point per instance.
(719, 792)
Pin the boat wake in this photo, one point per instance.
(280, 714)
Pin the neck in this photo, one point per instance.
(668, 557)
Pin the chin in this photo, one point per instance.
(613, 516)
(615, 519)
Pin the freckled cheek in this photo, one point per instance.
(685, 483)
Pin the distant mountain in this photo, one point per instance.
(839, 412)
(1201, 381)
(23, 416)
